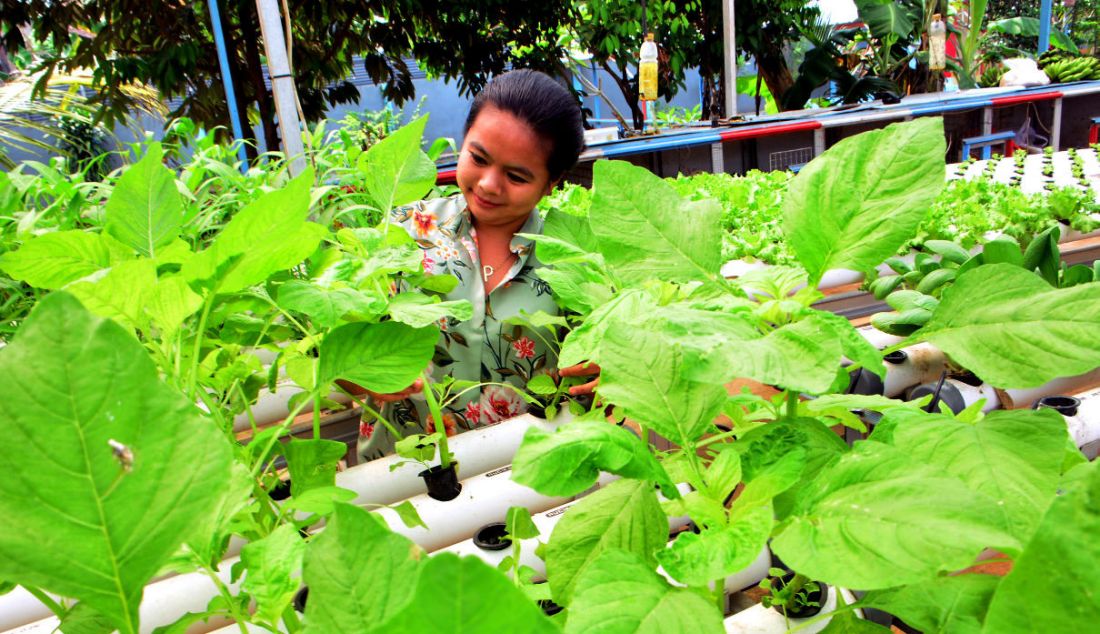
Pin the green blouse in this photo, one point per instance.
(484, 348)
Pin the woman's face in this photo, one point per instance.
(502, 168)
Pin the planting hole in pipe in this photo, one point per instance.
(549, 608)
(300, 599)
(811, 603)
(864, 382)
(1064, 405)
(492, 537)
(443, 484)
(896, 357)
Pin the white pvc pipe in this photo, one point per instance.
(476, 451)
(1022, 399)
(923, 363)
(20, 607)
(877, 338)
(165, 602)
(484, 499)
(1084, 427)
(272, 407)
(761, 620)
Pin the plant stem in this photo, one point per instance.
(316, 402)
(206, 307)
(55, 607)
(437, 416)
(792, 404)
(696, 469)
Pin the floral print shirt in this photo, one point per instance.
(484, 348)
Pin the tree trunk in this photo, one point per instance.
(264, 101)
(776, 75)
(630, 91)
(6, 67)
(236, 72)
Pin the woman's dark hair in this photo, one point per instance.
(542, 103)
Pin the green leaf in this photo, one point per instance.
(943, 604)
(1042, 255)
(620, 592)
(467, 596)
(1012, 456)
(802, 356)
(624, 515)
(768, 480)
(1012, 329)
(849, 623)
(1052, 586)
(312, 463)
(121, 294)
(571, 229)
(577, 287)
(643, 373)
(170, 303)
(395, 170)
(1002, 250)
(542, 385)
(320, 500)
(857, 203)
(949, 251)
(519, 524)
(385, 357)
(554, 251)
(853, 402)
(724, 474)
(567, 461)
(269, 235)
(111, 514)
(854, 345)
(53, 260)
(273, 564)
(697, 559)
(631, 206)
(83, 619)
(886, 18)
(923, 522)
(341, 597)
(769, 443)
(145, 210)
(419, 310)
(326, 307)
(410, 517)
(583, 342)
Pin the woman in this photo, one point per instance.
(522, 134)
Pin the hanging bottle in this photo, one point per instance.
(937, 43)
(647, 70)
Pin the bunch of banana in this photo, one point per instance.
(1054, 55)
(991, 76)
(1067, 70)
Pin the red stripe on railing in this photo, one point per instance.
(772, 130)
(1037, 96)
(445, 177)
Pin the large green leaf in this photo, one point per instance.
(945, 604)
(55, 259)
(121, 294)
(269, 235)
(1014, 330)
(647, 231)
(108, 470)
(575, 230)
(567, 461)
(467, 596)
(878, 519)
(419, 310)
(700, 558)
(145, 210)
(802, 356)
(887, 17)
(621, 594)
(171, 302)
(856, 204)
(341, 597)
(326, 306)
(385, 357)
(643, 373)
(273, 565)
(1052, 586)
(396, 171)
(624, 515)
(583, 342)
(1014, 457)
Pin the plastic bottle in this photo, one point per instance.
(937, 43)
(647, 70)
(950, 84)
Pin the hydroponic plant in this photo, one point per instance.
(118, 474)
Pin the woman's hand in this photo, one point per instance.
(393, 397)
(582, 369)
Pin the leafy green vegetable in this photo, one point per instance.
(131, 468)
(145, 211)
(1002, 323)
(863, 198)
(624, 515)
(943, 604)
(55, 259)
(273, 565)
(699, 558)
(619, 592)
(384, 357)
